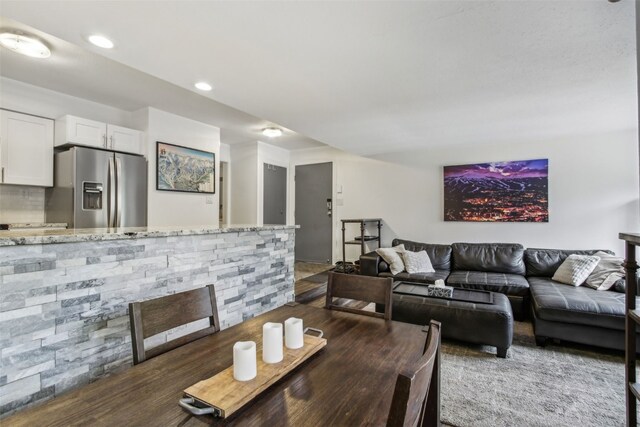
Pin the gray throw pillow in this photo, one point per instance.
(608, 271)
(575, 269)
(619, 286)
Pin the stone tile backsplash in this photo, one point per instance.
(64, 307)
(21, 204)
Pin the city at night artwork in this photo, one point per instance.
(516, 191)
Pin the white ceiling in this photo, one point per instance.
(76, 71)
(376, 77)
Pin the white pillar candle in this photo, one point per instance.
(439, 282)
(244, 360)
(293, 333)
(272, 342)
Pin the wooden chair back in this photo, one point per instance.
(416, 398)
(362, 288)
(158, 315)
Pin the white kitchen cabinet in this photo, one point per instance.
(72, 130)
(78, 131)
(26, 149)
(124, 140)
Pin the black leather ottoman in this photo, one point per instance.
(487, 324)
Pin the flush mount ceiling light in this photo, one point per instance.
(25, 45)
(101, 41)
(203, 86)
(272, 132)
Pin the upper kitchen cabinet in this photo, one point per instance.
(125, 140)
(77, 131)
(72, 130)
(26, 149)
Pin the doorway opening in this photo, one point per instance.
(274, 200)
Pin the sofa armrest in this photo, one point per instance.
(369, 264)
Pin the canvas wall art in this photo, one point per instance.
(185, 169)
(516, 191)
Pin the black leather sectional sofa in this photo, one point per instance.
(576, 314)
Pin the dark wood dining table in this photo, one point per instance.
(350, 382)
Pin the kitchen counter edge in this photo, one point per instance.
(45, 237)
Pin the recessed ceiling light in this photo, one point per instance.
(203, 86)
(272, 132)
(25, 45)
(101, 41)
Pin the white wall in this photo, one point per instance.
(168, 208)
(593, 192)
(244, 184)
(26, 98)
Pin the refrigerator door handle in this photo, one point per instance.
(119, 192)
(112, 194)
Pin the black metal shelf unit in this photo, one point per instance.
(632, 320)
(362, 238)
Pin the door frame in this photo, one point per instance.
(334, 180)
(226, 190)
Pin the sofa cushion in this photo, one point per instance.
(556, 302)
(429, 278)
(545, 262)
(440, 255)
(509, 284)
(490, 257)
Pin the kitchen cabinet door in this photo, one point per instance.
(26, 149)
(78, 131)
(124, 140)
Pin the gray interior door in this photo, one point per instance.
(275, 195)
(313, 213)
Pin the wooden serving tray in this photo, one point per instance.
(227, 395)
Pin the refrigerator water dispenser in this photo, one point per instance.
(91, 195)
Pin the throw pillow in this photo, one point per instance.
(392, 257)
(607, 272)
(417, 262)
(575, 269)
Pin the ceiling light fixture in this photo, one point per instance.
(101, 41)
(203, 86)
(25, 45)
(272, 132)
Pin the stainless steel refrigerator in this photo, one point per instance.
(98, 189)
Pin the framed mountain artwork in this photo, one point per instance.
(516, 191)
(184, 169)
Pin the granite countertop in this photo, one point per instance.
(45, 236)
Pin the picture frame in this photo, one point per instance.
(508, 191)
(185, 169)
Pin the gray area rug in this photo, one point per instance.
(552, 386)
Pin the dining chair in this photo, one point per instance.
(361, 288)
(154, 316)
(416, 398)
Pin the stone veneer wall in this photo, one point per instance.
(64, 307)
